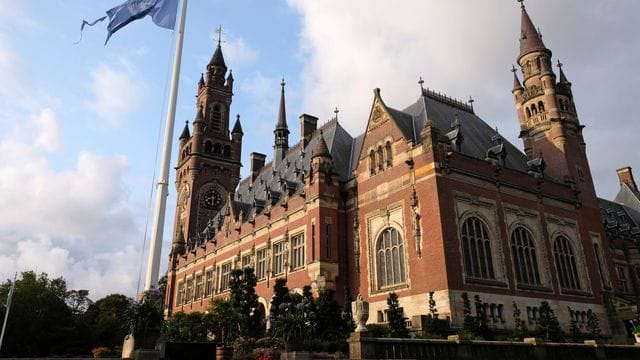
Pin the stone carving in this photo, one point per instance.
(360, 311)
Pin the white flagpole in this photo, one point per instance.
(155, 249)
(6, 313)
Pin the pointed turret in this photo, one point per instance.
(198, 129)
(517, 86)
(185, 132)
(230, 80)
(321, 150)
(216, 69)
(237, 128)
(563, 78)
(281, 132)
(530, 38)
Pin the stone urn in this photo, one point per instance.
(360, 311)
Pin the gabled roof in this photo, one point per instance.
(630, 199)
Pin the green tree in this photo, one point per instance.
(520, 331)
(329, 325)
(548, 324)
(108, 321)
(40, 323)
(433, 327)
(188, 328)
(470, 326)
(223, 321)
(242, 284)
(593, 325)
(308, 306)
(347, 316)
(395, 317)
(280, 296)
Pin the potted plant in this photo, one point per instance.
(223, 319)
(635, 328)
(293, 329)
(145, 322)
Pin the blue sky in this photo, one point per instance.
(79, 123)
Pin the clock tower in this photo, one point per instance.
(209, 158)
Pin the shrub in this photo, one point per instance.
(100, 352)
(379, 330)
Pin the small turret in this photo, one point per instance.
(237, 133)
(185, 136)
(517, 86)
(216, 69)
(281, 132)
(230, 80)
(198, 129)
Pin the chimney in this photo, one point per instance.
(308, 125)
(257, 163)
(626, 177)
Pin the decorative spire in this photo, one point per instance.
(199, 116)
(530, 38)
(282, 115)
(201, 82)
(563, 78)
(217, 59)
(421, 82)
(185, 132)
(321, 147)
(516, 82)
(336, 111)
(237, 128)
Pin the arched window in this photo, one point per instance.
(566, 263)
(380, 158)
(541, 106)
(390, 258)
(217, 149)
(476, 249)
(389, 155)
(562, 107)
(528, 113)
(525, 262)
(216, 116)
(372, 162)
(538, 64)
(596, 250)
(227, 151)
(207, 146)
(534, 111)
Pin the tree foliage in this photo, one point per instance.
(244, 301)
(395, 317)
(548, 324)
(188, 328)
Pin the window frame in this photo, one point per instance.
(385, 256)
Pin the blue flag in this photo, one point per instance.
(162, 12)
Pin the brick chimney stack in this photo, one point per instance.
(308, 125)
(626, 177)
(257, 163)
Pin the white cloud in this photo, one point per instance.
(238, 52)
(116, 90)
(77, 222)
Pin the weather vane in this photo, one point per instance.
(219, 32)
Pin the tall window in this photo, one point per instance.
(523, 250)
(199, 286)
(208, 283)
(180, 294)
(566, 263)
(623, 279)
(246, 261)
(261, 264)
(380, 158)
(476, 249)
(372, 162)
(390, 258)
(278, 258)
(297, 251)
(389, 155)
(189, 291)
(225, 273)
(596, 250)
(216, 117)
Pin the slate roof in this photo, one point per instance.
(442, 111)
(630, 199)
(619, 219)
(271, 183)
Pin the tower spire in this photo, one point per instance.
(530, 38)
(563, 77)
(516, 82)
(281, 132)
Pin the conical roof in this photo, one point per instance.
(530, 38)
(217, 59)
(321, 148)
(185, 132)
(563, 78)
(237, 128)
(282, 114)
(516, 82)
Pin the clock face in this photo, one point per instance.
(212, 199)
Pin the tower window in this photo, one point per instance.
(476, 248)
(372, 162)
(217, 149)
(541, 106)
(538, 64)
(227, 151)
(207, 146)
(534, 110)
(528, 113)
(390, 258)
(389, 156)
(216, 116)
(380, 158)
(566, 263)
(525, 262)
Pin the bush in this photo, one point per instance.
(379, 330)
(100, 352)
